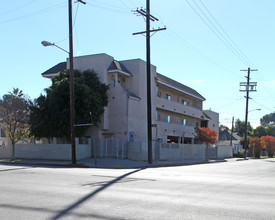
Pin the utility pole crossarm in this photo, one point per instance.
(154, 30)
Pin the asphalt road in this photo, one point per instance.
(228, 190)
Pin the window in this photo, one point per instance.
(183, 121)
(168, 118)
(172, 139)
(168, 96)
(113, 83)
(157, 116)
(2, 133)
(183, 101)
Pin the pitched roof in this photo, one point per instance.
(116, 65)
(60, 67)
(179, 86)
(205, 116)
(132, 94)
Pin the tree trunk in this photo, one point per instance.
(13, 151)
(206, 152)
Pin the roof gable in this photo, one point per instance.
(117, 66)
(60, 67)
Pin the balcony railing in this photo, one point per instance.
(177, 101)
(176, 123)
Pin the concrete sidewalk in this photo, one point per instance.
(111, 163)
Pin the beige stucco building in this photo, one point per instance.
(176, 108)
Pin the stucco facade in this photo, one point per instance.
(176, 108)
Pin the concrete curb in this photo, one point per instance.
(116, 166)
(45, 164)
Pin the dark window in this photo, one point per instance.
(2, 133)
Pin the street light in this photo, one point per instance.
(72, 110)
(46, 44)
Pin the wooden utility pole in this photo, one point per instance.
(149, 18)
(149, 97)
(249, 87)
(72, 103)
(232, 131)
(72, 111)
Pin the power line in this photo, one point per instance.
(272, 110)
(230, 39)
(220, 36)
(108, 7)
(196, 51)
(14, 9)
(38, 12)
(266, 87)
(230, 103)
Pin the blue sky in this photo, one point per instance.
(206, 44)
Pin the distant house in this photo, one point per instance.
(225, 139)
(176, 108)
(5, 147)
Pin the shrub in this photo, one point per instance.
(256, 145)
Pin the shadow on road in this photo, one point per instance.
(103, 187)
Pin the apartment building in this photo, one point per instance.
(176, 108)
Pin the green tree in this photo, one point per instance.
(240, 127)
(268, 119)
(50, 114)
(270, 130)
(260, 131)
(14, 115)
(223, 127)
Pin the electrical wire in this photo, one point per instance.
(222, 39)
(229, 41)
(14, 9)
(272, 110)
(38, 12)
(229, 103)
(227, 35)
(196, 51)
(108, 7)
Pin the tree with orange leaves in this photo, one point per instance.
(268, 143)
(206, 135)
(256, 145)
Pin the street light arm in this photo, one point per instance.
(258, 109)
(62, 49)
(46, 44)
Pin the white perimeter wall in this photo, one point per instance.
(51, 151)
(174, 152)
(224, 152)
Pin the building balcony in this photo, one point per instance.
(177, 107)
(175, 129)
